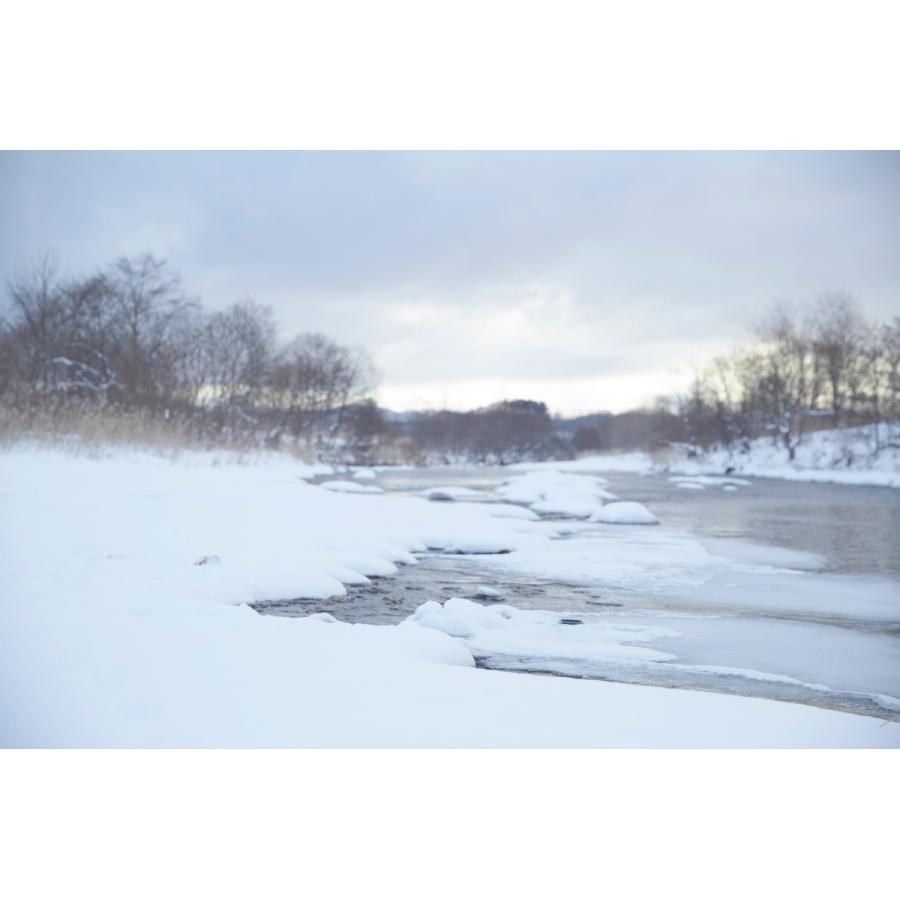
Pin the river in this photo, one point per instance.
(806, 610)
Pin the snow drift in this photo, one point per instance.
(625, 512)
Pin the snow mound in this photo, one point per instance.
(573, 507)
(363, 473)
(690, 486)
(625, 512)
(461, 618)
(511, 511)
(557, 493)
(450, 493)
(350, 487)
(476, 545)
(503, 629)
(712, 480)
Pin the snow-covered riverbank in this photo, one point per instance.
(114, 634)
(840, 456)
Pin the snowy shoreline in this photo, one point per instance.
(114, 635)
(821, 459)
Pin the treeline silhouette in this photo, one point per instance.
(124, 353)
(825, 366)
(127, 339)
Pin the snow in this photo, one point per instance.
(576, 643)
(838, 456)
(476, 545)
(550, 492)
(363, 473)
(699, 574)
(451, 493)
(625, 512)
(350, 487)
(538, 485)
(756, 555)
(511, 511)
(712, 480)
(112, 636)
(537, 633)
(846, 598)
(839, 660)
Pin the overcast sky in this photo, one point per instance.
(588, 280)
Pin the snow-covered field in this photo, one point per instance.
(124, 579)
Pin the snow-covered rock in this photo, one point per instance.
(511, 511)
(625, 512)
(450, 493)
(539, 633)
(210, 560)
(534, 486)
(476, 545)
(574, 506)
(557, 493)
(350, 487)
(711, 480)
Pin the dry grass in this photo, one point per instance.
(92, 430)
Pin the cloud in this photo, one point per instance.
(594, 276)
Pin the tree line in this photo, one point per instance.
(823, 367)
(129, 337)
(504, 432)
(801, 371)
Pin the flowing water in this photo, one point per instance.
(810, 614)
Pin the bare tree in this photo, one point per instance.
(509, 431)
(889, 379)
(312, 382)
(154, 323)
(35, 321)
(238, 347)
(838, 333)
(831, 363)
(59, 333)
(501, 433)
(783, 374)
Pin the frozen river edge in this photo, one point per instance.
(437, 578)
